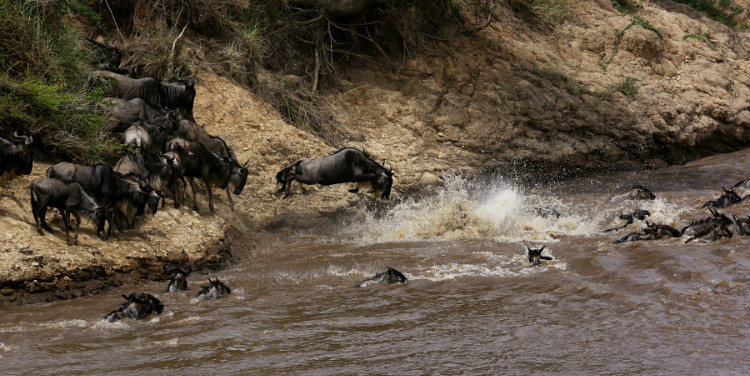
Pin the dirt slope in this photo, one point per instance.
(515, 94)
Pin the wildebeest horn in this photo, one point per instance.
(541, 249)
(29, 140)
(246, 164)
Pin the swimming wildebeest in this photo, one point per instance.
(214, 291)
(629, 218)
(639, 192)
(16, 156)
(535, 255)
(178, 278)
(69, 198)
(741, 226)
(138, 306)
(652, 231)
(729, 198)
(178, 95)
(347, 165)
(389, 276)
(711, 228)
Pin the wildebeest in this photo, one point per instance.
(712, 227)
(69, 198)
(347, 165)
(107, 56)
(102, 183)
(652, 231)
(16, 156)
(535, 255)
(629, 218)
(215, 170)
(129, 112)
(729, 198)
(178, 278)
(137, 306)
(639, 192)
(178, 95)
(215, 290)
(741, 226)
(389, 276)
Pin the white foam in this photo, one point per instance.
(463, 210)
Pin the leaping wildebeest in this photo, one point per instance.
(347, 165)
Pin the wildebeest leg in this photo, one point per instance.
(288, 184)
(229, 197)
(210, 196)
(43, 216)
(66, 222)
(192, 187)
(36, 211)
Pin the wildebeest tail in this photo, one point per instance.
(281, 175)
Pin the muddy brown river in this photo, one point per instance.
(473, 303)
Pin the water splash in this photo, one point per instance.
(468, 210)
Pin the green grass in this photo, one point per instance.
(64, 123)
(722, 11)
(702, 37)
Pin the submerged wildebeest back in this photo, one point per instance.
(16, 156)
(178, 278)
(729, 198)
(535, 255)
(712, 228)
(638, 192)
(137, 306)
(178, 95)
(69, 198)
(652, 231)
(215, 290)
(389, 276)
(629, 218)
(347, 165)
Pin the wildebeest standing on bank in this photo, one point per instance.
(389, 276)
(102, 183)
(216, 170)
(347, 165)
(16, 156)
(178, 278)
(138, 306)
(67, 197)
(178, 95)
(214, 291)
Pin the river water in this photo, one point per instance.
(473, 303)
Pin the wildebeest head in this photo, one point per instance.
(389, 276)
(535, 255)
(238, 178)
(641, 193)
(383, 183)
(178, 278)
(215, 290)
